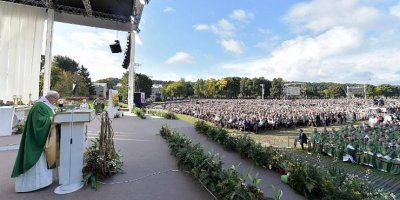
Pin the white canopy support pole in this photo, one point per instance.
(49, 44)
(131, 81)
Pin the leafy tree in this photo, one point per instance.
(258, 88)
(166, 90)
(142, 83)
(369, 90)
(276, 88)
(189, 89)
(123, 90)
(65, 63)
(221, 87)
(64, 87)
(198, 88)
(335, 91)
(233, 87)
(210, 88)
(111, 82)
(246, 88)
(84, 73)
(175, 89)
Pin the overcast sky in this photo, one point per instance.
(320, 40)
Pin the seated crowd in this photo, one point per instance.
(257, 115)
(377, 146)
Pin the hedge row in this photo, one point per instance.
(162, 113)
(306, 178)
(207, 168)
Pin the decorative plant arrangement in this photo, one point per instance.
(207, 168)
(162, 113)
(139, 112)
(19, 129)
(101, 158)
(304, 177)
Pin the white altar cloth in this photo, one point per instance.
(6, 120)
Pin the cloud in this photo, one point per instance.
(241, 15)
(201, 27)
(224, 28)
(395, 10)
(91, 49)
(321, 15)
(172, 76)
(233, 46)
(168, 9)
(138, 40)
(180, 57)
(332, 56)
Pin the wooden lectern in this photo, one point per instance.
(72, 146)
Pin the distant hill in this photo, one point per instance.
(162, 82)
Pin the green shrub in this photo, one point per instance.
(305, 178)
(162, 113)
(139, 112)
(207, 168)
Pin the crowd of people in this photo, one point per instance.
(377, 146)
(257, 115)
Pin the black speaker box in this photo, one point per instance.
(116, 47)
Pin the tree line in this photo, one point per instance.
(243, 87)
(66, 71)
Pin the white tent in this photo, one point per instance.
(21, 37)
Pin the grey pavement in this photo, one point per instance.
(144, 153)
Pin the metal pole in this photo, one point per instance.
(365, 91)
(262, 91)
(131, 81)
(49, 44)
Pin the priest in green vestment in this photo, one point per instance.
(30, 168)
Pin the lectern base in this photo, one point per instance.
(65, 189)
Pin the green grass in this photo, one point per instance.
(186, 118)
(123, 105)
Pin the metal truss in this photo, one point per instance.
(73, 10)
(35, 3)
(88, 7)
(79, 11)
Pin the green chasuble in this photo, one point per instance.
(33, 139)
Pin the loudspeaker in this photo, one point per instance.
(116, 47)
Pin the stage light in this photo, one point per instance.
(116, 47)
